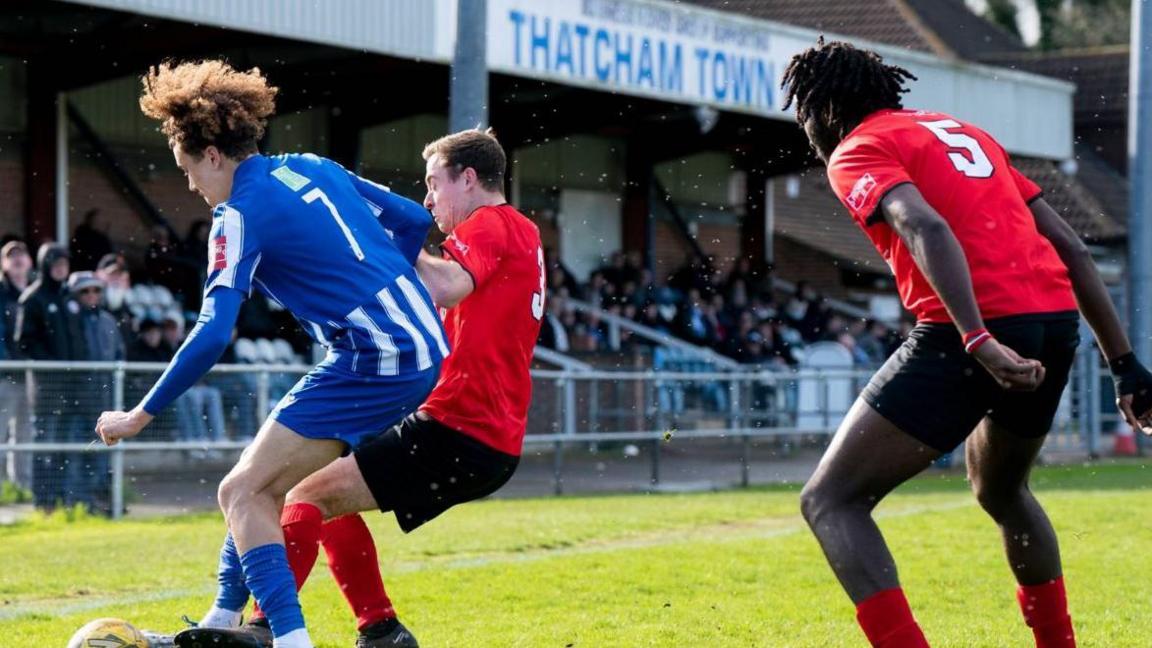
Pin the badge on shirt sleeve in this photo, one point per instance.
(860, 191)
(219, 253)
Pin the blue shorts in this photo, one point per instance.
(333, 403)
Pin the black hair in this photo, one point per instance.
(839, 85)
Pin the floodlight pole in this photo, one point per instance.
(469, 85)
(1140, 177)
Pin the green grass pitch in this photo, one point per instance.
(712, 569)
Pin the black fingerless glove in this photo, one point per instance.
(1130, 377)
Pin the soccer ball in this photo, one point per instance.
(108, 633)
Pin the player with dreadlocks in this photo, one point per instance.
(993, 276)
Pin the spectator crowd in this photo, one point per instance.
(80, 304)
(736, 313)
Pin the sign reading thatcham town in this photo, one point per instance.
(640, 48)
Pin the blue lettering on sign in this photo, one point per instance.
(582, 32)
(540, 41)
(623, 58)
(564, 48)
(644, 67)
(766, 81)
(742, 79)
(719, 76)
(582, 51)
(671, 71)
(517, 19)
(701, 68)
(605, 70)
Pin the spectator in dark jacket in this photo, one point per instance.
(15, 417)
(15, 271)
(43, 328)
(48, 329)
(149, 346)
(102, 343)
(102, 340)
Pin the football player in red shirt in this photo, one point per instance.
(465, 441)
(995, 278)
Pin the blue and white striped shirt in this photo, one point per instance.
(335, 250)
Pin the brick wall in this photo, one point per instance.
(795, 262)
(11, 196)
(91, 188)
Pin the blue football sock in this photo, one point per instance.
(269, 577)
(233, 592)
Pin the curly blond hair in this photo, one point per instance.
(209, 103)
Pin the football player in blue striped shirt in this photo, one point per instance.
(335, 250)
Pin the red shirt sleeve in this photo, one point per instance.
(478, 244)
(861, 172)
(1029, 190)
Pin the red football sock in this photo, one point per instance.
(352, 558)
(1045, 609)
(302, 524)
(887, 621)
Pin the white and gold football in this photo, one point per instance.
(108, 633)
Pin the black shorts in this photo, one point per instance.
(421, 468)
(934, 391)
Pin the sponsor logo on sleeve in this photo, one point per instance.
(219, 253)
(860, 191)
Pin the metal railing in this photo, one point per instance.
(570, 407)
(661, 338)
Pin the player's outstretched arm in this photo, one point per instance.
(1133, 381)
(205, 344)
(447, 281)
(407, 219)
(940, 258)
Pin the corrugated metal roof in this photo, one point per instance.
(397, 27)
(875, 21)
(425, 30)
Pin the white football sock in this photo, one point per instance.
(295, 639)
(217, 618)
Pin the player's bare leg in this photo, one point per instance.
(999, 463)
(324, 508)
(253, 492)
(337, 489)
(254, 557)
(868, 457)
(998, 467)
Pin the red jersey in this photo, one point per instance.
(484, 387)
(967, 177)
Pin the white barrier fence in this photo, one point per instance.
(48, 411)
